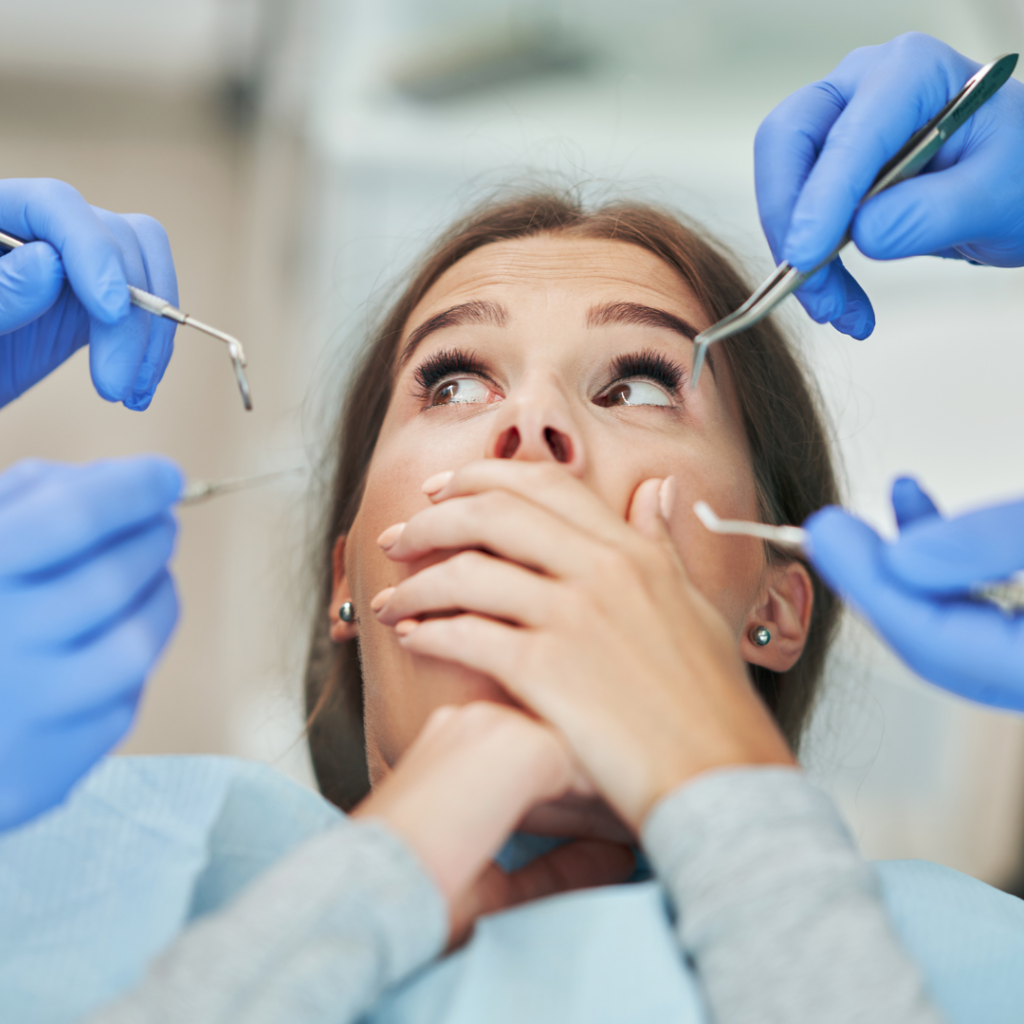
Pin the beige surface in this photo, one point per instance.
(222, 196)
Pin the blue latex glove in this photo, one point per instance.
(86, 606)
(818, 151)
(914, 590)
(70, 288)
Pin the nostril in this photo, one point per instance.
(559, 443)
(508, 444)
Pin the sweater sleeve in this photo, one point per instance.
(779, 913)
(315, 939)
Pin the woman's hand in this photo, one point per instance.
(588, 620)
(460, 790)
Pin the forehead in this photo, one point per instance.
(562, 268)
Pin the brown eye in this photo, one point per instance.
(460, 391)
(635, 392)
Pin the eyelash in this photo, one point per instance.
(648, 365)
(452, 362)
(449, 362)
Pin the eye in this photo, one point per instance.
(642, 378)
(453, 377)
(635, 392)
(461, 391)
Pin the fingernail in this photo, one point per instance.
(436, 482)
(667, 497)
(405, 627)
(389, 538)
(381, 599)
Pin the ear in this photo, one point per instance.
(784, 608)
(340, 593)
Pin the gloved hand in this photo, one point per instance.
(915, 590)
(818, 151)
(71, 287)
(86, 606)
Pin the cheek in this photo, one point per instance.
(727, 570)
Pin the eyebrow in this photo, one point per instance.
(477, 312)
(483, 312)
(634, 313)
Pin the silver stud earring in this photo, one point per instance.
(760, 636)
(348, 614)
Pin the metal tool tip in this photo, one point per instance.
(698, 362)
(704, 513)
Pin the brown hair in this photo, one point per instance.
(789, 449)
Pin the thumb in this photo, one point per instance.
(31, 278)
(950, 555)
(845, 551)
(651, 508)
(911, 503)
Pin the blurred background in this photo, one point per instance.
(301, 153)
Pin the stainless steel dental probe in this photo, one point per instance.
(161, 307)
(196, 492)
(909, 161)
(1007, 595)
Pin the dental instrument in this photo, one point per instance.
(907, 162)
(196, 492)
(161, 307)
(1007, 595)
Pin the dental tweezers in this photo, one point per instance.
(910, 160)
(161, 307)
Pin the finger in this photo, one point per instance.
(475, 582)
(910, 503)
(43, 765)
(965, 647)
(885, 104)
(474, 641)
(785, 148)
(54, 212)
(95, 594)
(162, 281)
(501, 523)
(23, 476)
(947, 556)
(834, 296)
(938, 211)
(116, 351)
(541, 483)
(30, 282)
(80, 507)
(115, 665)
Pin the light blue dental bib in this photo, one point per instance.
(93, 891)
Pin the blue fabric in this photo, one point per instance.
(90, 893)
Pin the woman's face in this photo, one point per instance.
(552, 348)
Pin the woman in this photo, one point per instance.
(531, 629)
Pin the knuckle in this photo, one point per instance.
(464, 567)
(53, 189)
(611, 563)
(150, 227)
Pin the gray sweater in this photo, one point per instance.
(777, 911)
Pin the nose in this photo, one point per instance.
(535, 424)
